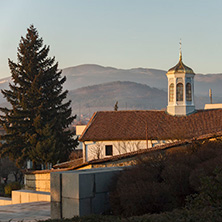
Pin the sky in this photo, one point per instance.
(117, 33)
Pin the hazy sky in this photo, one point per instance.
(118, 33)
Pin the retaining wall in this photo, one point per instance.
(38, 181)
(25, 196)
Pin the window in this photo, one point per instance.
(188, 92)
(179, 92)
(171, 90)
(109, 150)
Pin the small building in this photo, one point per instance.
(111, 133)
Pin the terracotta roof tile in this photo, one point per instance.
(71, 163)
(133, 125)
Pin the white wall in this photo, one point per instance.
(80, 129)
(213, 106)
(96, 150)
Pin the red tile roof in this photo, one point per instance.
(71, 163)
(142, 125)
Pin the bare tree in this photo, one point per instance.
(75, 154)
(116, 106)
(97, 150)
(127, 146)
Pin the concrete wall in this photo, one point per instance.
(25, 196)
(38, 182)
(82, 192)
(5, 201)
(96, 150)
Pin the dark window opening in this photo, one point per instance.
(179, 92)
(171, 92)
(188, 92)
(109, 150)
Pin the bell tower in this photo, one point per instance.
(180, 89)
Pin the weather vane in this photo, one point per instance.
(180, 50)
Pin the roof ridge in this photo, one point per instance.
(88, 125)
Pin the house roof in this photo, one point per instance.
(146, 124)
(67, 164)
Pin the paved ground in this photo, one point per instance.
(25, 212)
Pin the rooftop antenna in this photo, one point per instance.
(210, 95)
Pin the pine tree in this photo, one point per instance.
(37, 122)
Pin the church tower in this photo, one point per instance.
(180, 89)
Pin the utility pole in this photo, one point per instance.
(146, 135)
(210, 95)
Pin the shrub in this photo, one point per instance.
(161, 182)
(210, 194)
(12, 186)
(158, 183)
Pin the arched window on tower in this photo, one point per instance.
(188, 92)
(179, 92)
(171, 90)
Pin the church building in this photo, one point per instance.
(111, 133)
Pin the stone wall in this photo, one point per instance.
(37, 181)
(82, 192)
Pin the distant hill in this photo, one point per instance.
(203, 83)
(4, 84)
(94, 87)
(129, 95)
(86, 75)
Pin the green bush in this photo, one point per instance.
(162, 181)
(12, 186)
(181, 215)
(159, 183)
(210, 194)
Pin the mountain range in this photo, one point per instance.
(93, 87)
(86, 75)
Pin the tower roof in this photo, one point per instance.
(180, 67)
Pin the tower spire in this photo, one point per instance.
(180, 58)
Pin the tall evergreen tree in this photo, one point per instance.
(37, 122)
